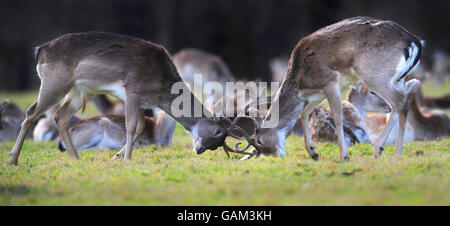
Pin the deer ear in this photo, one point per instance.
(411, 86)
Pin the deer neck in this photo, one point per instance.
(187, 120)
(358, 105)
(164, 128)
(287, 104)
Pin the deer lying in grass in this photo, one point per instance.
(359, 100)
(136, 71)
(107, 107)
(9, 125)
(12, 110)
(46, 128)
(433, 102)
(422, 123)
(379, 53)
(109, 132)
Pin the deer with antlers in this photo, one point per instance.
(378, 53)
(139, 72)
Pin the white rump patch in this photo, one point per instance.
(405, 64)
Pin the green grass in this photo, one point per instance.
(177, 176)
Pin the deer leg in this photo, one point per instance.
(131, 118)
(72, 104)
(397, 102)
(48, 96)
(333, 94)
(309, 145)
(401, 131)
(139, 130)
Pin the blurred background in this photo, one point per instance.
(246, 34)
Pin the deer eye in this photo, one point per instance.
(259, 142)
(218, 132)
(371, 92)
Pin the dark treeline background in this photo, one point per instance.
(246, 33)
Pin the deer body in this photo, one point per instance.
(10, 119)
(136, 71)
(378, 53)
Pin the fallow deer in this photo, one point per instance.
(109, 132)
(9, 125)
(12, 110)
(379, 53)
(137, 71)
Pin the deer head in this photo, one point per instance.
(366, 100)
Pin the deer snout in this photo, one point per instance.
(198, 147)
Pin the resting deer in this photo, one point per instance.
(46, 128)
(12, 110)
(433, 102)
(9, 126)
(379, 53)
(109, 132)
(136, 71)
(359, 100)
(108, 107)
(210, 66)
(422, 123)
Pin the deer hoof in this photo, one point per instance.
(118, 156)
(345, 159)
(315, 156)
(378, 152)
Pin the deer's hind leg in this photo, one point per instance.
(50, 93)
(309, 145)
(74, 101)
(396, 96)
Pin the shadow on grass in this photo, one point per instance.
(17, 190)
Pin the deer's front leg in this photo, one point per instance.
(139, 130)
(132, 115)
(333, 94)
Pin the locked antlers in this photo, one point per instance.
(238, 132)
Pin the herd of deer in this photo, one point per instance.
(374, 58)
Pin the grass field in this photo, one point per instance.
(177, 176)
